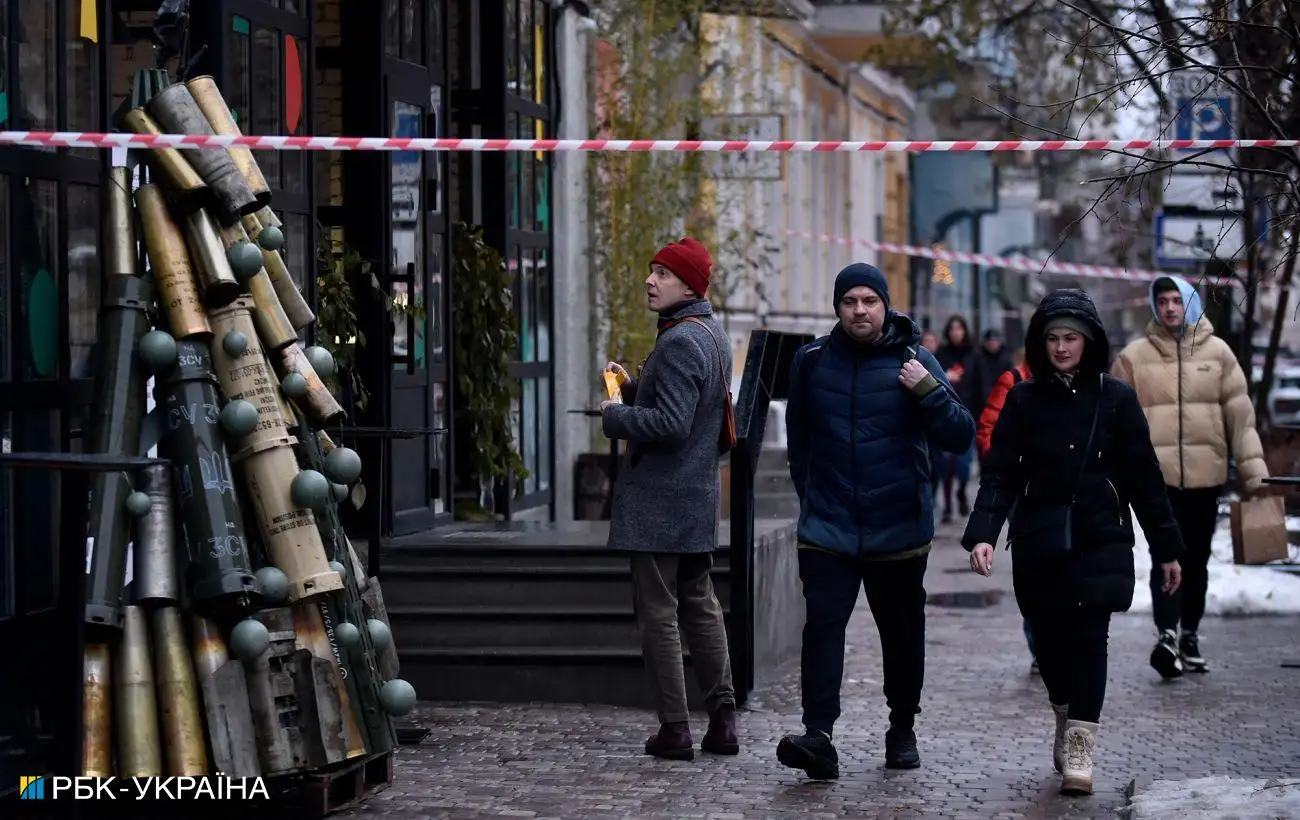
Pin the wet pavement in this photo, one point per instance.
(984, 734)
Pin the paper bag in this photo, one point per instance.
(1258, 530)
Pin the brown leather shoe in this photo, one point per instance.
(672, 743)
(721, 738)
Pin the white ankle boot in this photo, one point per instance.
(1058, 742)
(1080, 740)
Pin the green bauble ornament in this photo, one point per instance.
(157, 350)
(294, 385)
(342, 465)
(337, 567)
(309, 490)
(380, 635)
(249, 639)
(239, 418)
(322, 361)
(245, 260)
(397, 697)
(273, 584)
(138, 504)
(340, 492)
(271, 238)
(347, 635)
(235, 343)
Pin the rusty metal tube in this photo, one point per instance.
(97, 712)
(178, 290)
(210, 652)
(318, 402)
(173, 164)
(121, 252)
(273, 326)
(139, 752)
(295, 307)
(178, 696)
(175, 109)
(217, 112)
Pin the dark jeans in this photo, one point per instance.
(1197, 513)
(896, 594)
(1071, 644)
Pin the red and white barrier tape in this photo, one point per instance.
(75, 139)
(1021, 263)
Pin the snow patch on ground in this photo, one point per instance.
(1234, 590)
(1216, 798)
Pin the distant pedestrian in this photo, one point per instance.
(665, 507)
(1194, 394)
(987, 364)
(864, 403)
(1071, 452)
(984, 439)
(955, 356)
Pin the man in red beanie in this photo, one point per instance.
(666, 501)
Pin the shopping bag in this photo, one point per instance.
(1258, 530)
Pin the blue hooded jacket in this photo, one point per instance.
(1192, 303)
(858, 441)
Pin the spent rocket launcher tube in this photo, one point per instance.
(220, 574)
(117, 415)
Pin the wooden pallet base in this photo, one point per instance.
(320, 794)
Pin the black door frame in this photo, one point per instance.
(367, 225)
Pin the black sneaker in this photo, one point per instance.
(900, 749)
(1164, 658)
(812, 752)
(1189, 650)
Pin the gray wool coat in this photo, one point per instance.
(666, 497)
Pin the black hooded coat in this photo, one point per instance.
(1034, 464)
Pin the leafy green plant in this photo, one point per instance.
(338, 329)
(483, 345)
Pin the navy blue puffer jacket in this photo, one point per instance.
(858, 441)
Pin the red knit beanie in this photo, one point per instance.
(690, 261)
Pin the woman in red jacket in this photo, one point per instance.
(984, 437)
(989, 417)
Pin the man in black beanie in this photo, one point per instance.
(865, 402)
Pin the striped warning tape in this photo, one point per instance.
(1020, 263)
(79, 139)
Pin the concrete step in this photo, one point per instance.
(522, 584)
(520, 674)
(773, 459)
(580, 626)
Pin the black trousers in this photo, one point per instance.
(896, 594)
(1197, 513)
(1071, 651)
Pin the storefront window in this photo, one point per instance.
(81, 35)
(37, 213)
(83, 277)
(266, 98)
(38, 66)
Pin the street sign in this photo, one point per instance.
(1201, 104)
(1188, 241)
(1204, 192)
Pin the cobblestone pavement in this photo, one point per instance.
(984, 735)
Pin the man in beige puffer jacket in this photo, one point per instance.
(1194, 394)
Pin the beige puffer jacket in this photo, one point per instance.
(1196, 404)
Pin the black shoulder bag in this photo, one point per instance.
(1067, 541)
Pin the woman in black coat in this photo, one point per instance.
(1070, 453)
